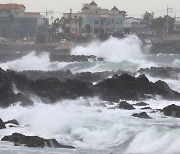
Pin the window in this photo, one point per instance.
(96, 21)
(118, 21)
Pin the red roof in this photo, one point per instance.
(11, 6)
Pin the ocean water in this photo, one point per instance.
(91, 125)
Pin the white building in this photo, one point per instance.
(93, 20)
(130, 22)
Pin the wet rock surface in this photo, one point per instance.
(127, 87)
(172, 110)
(33, 141)
(125, 105)
(143, 115)
(118, 87)
(2, 124)
(13, 121)
(141, 104)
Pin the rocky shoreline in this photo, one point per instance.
(55, 86)
(51, 89)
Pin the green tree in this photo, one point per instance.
(148, 17)
(159, 23)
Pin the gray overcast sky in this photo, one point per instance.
(132, 7)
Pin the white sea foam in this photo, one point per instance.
(114, 49)
(32, 61)
(85, 125)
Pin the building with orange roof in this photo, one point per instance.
(16, 23)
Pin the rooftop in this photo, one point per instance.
(11, 6)
(93, 3)
(115, 9)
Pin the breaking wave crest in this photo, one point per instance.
(114, 49)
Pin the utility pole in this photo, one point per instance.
(166, 27)
(70, 17)
(46, 13)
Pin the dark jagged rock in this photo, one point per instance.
(146, 108)
(68, 75)
(39, 75)
(14, 121)
(56, 90)
(2, 125)
(163, 89)
(172, 110)
(130, 88)
(33, 141)
(72, 58)
(141, 104)
(125, 105)
(162, 72)
(119, 87)
(141, 115)
(7, 96)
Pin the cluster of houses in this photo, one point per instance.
(16, 23)
(92, 20)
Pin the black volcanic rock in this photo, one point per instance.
(172, 110)
(72, 58)
(141, 104)
(7, 96)
(125, 105)
(13, 121)
(2, 124)
(54, 89)
(64, 75)
(146, 108)
(124, 87)
(128, 87)
(141, 115)
(33, 141)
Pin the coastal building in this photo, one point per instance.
(16, 23)
(177, 25)
(130, 24)
(93, 20)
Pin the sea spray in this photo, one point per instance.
(113, 49)
(32, 61)
(81, 123)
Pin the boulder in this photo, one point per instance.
(125, 105)
(127, 87)
(54, 89)
(2, 125)
(7, 96)
(146, 108)
(14, 121)
(143, 115)
(172, 110)
(141, 104)
(33, 141)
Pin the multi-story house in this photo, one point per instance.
(16, 23)
(177, 25)
(130, 24)
(93, 20)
